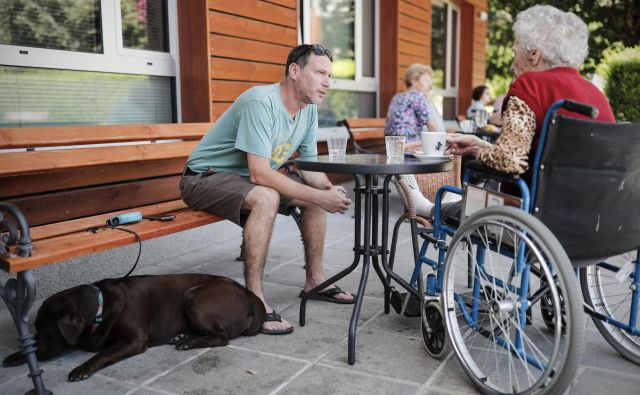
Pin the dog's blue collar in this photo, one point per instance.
(98, 320)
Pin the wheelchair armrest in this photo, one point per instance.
(480, 168)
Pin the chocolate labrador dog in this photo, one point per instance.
(122, 317)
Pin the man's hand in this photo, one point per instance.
(335, 200)
(464, 144)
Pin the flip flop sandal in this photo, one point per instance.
(275, 317)
(328, 295)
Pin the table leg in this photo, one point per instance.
(356, 255)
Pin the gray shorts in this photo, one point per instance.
(223, 194)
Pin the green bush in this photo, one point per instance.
(621, 69)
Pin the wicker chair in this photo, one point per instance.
(428, 184)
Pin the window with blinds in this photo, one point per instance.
(35, 97)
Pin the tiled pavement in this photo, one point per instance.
(313, 360)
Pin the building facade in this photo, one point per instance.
(160, 61)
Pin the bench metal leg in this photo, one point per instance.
(19, 294)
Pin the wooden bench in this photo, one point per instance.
(67, 180)
(366, 134)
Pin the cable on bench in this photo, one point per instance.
(138, 239)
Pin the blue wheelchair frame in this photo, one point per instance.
(434, 282)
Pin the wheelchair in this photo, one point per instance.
(508, 286)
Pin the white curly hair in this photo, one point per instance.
(561, 37)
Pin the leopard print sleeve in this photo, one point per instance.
(510, 152)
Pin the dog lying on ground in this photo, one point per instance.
(122, 317)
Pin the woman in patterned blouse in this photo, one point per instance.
(411, 110)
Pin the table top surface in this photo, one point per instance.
(372, 164)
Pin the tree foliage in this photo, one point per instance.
(609, 21)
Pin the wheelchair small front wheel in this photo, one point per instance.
(492, 304)
(434, 334)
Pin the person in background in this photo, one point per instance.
(481, 97)
(549, 47)
(411, 110)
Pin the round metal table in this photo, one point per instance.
(367, 168)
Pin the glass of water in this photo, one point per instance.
(395, 146)
(337, 147)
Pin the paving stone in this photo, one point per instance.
(328, 380)
(597, 381)
(229, 370)
(56, 381)
(388, 355)
(451, 377)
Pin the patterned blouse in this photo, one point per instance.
(408, 112)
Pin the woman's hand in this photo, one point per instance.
(464, 144)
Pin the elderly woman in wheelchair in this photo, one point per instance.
(501, 288)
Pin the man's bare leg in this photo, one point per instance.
(313, 226)
(263, 203)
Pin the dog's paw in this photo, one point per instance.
(185, 344)
(79, 373)
(14, 359)
(178, 338)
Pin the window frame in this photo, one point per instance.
(360, 83)
(114, 58)
(450, 90)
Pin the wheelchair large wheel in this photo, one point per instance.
(611, 297)
(434, 334)
(492, 304)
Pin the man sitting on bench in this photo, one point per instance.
(233, 173)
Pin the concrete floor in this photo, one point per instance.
(389, 350)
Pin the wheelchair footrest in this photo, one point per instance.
(398, 299)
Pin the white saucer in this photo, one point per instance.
(432, 158)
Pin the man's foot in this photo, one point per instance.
(332, 294)
(275, 325)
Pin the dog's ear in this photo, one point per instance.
(71, 325)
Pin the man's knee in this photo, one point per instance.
(263, 199)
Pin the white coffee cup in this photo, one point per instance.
(434, 143)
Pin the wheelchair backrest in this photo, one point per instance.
(588, 190)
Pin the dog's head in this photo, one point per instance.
(61, 320)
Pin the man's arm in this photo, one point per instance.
(331, 199)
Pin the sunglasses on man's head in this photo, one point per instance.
(316, 48)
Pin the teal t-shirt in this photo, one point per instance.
(257, 123)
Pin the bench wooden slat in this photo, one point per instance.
(52, 136)
(81, 224)
(367, 134)
(73, 245)
(47, 161)
(59, 206)
(76, 178)
(366, 122)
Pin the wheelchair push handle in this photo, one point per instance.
(580, 108)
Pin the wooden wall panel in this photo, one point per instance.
(237, 26)
(240, 48)
(249, 41)
(242, 70)
(258, 10)
(228, 91)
